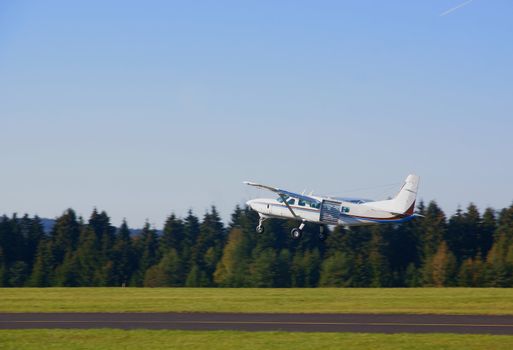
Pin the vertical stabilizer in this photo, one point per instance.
(404, 201)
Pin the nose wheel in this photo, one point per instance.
(260, 227)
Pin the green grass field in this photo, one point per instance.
(143, 339)
(333, 300)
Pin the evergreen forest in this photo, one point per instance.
(468, 249)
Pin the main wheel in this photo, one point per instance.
(260, 229)
(296, 234)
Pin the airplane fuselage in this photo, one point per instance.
(329, 212)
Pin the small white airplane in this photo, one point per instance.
(331, 211)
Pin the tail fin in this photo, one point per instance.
(404, 201)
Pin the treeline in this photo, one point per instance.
(468, 249)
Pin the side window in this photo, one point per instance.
(344, 210)
(301, 202)
(291, 201)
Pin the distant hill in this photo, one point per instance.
(49, 223)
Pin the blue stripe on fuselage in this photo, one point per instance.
(349, 216)
(395, 221)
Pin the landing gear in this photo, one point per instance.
(322, 235)
(260, 227)
(296, 234)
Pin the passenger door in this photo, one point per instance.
(330, 212)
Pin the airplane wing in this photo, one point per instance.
(284, 194)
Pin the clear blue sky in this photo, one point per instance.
(144, 108)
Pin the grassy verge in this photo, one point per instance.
(417, 300)
(144, 339)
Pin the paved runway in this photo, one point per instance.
(374, 323)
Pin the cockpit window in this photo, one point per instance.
(280, 199)
(291, 201)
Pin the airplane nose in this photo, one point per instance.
(249, 203)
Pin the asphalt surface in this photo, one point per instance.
(372, 323)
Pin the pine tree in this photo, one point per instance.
(67, 274)
(196, 278)
(3, 272)
(380, 275)
(64, 235)
(15, 249)
(172, 266)
(154, 277)
(488, 227)
(172, 235)
(466, 274)
(167, 273)
(336, 271)
(86, 258)
(191, 233)
(13, 246)
(496, 269)
(474, 227)
(232, 269)
(412, 276)
(508, 262)
(283, 266)
(31, 232)
(123, 256)
(237, 218)
(42, 273)
(463, 233)
(264, 269)
(335, 242)
(18, 274)
(443, 266)
(298, 269)
(362, 273)
(209, 246)
(399, 250)
(306, 268)
(505, 225)
(100, 224)
(479, 269)
(433, 227)
(147, 247)
(312, 264)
